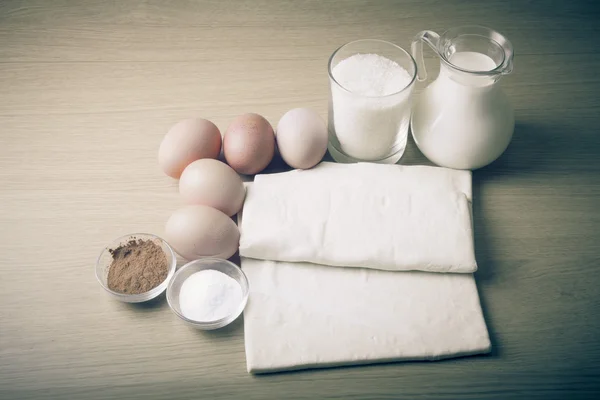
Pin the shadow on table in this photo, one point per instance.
(158, 302)
(543, 149)
(537, 153)
(234, 329)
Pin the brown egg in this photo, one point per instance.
(249, 144)
(214, 184)
(202, 231)
(187, 141)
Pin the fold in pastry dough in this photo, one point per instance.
(387, 217)
(305, 316)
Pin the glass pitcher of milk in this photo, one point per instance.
(463, 119)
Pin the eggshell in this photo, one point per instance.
(188, 140)
(249, 144)
(301, 138)
(212, 183)
(201, 231)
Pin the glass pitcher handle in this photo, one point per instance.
(432, 39)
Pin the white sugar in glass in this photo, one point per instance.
(371, 85)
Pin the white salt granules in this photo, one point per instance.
(209, 295)
(370, 118)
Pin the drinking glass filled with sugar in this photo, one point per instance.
(371, 85)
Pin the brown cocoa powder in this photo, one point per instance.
(137, 267)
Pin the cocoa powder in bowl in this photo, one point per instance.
(137, 267)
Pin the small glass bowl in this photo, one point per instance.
(105, 259)
(224, 266)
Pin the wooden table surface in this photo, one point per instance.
(89, 88)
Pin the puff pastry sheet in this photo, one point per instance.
(306, 316)
(388, 217)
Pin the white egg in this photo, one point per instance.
(212, 183)
(301, 138)
(201, 231)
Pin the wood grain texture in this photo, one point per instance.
(87, 90)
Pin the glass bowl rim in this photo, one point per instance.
(218, 323)
(408, 85)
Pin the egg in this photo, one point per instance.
(249, 144)
(301, 138)
(200, 231)
(212, 183)
(188, 140)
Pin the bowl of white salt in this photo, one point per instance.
(208, 293)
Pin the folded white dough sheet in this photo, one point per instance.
(387, 217)
(379, 217)
(307, 316)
